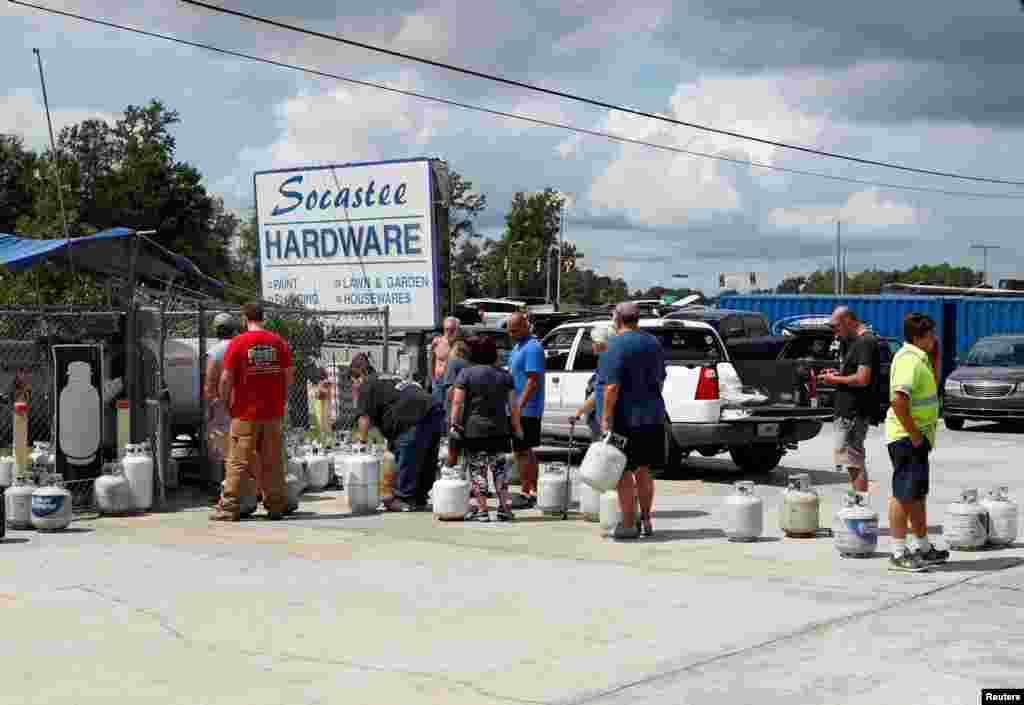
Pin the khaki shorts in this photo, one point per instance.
(848, 437)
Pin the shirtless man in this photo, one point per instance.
(439, 350)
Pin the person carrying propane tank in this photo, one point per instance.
(633, 373)
(910, 428)
(411, 421)
(592, 407)
(482, 427)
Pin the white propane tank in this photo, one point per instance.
(294, 487)
(1002, 516)
(138, 468)
(602, 466)
(744, 514)
(966, 525)
(610, 513)
(41, 462)
(297, 468)
(18, 503)
(590, 502)
(362, 482)
(856, 527)
(318, 471)
(451, 495)
(338, 462)
(51, 506)
(112, 492)
(800, 504)
(553, 489)
(6, 471)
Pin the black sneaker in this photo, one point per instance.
(933, 556)
(624, 533)
(506, 515)
(907, 563)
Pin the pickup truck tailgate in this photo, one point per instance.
(784, 382)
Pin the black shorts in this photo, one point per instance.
(645, 446)
(531, 434)
(909, 469)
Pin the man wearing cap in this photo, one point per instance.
(218, 417)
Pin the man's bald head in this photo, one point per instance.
(844, 322)
(519, 325)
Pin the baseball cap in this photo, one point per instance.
(223, 320)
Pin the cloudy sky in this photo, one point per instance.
(918, 83)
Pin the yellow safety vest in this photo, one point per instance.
(911, 373)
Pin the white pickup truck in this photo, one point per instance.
(710, 409)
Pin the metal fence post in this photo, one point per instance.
(387, 339)
(204, 458)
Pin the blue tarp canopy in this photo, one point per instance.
(109, 253)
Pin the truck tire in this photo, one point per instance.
(756, 458)
(674, 456)
(954, 424)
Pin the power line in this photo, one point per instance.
(520, 117)
(594, 102)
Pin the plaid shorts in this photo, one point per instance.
(848, 438)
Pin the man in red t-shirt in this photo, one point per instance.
(257, 373)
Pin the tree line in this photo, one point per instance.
(873, 281)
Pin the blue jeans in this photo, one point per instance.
(416, 457)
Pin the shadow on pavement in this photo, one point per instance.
(667, 535)
(678, 514)
(982, 565)
(724, 471)
(72, 530)
(996, 427)
(14, 540)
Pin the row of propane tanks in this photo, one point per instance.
(968, 525)
(35, 497)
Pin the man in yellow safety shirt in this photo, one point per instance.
(910, 431)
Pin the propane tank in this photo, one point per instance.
(1002, 516)
(856, 527)
(602, 466)
(51, 505)
(6, 471)
(590, 502)
(294, 487)
(442, 452)
(362, 482)
(18, 502)
(552, 489)
(138, 468)
(966, 526)
(112, 492)
(41, 462)
(745, 513)
(800, 504)
(610, 513)
(451, 494)
(297, 468)
(318, 471)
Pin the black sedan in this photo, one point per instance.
(988, 385)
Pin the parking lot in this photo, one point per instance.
(399, 609)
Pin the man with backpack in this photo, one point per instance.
(857, 406)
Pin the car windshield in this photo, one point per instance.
(997, 353)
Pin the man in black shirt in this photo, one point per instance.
(856, 395)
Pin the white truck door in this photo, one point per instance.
(558, 347)
(574, 382)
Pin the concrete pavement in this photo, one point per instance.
(330, 608)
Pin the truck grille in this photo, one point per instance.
(988, 391)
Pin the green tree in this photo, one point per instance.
(531, 228)
(465, 205)
(17, 181)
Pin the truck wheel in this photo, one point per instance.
(674, 456)
(756, 458)
(954, 424)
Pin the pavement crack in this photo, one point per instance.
(153, 614)
(769, 643)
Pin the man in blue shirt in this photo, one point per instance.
(526, 363)
(633, 372)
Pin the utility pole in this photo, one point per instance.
(53, 143)
(985, 249)
(838, 281)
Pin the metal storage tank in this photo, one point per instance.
(885, 313)
(977, 318)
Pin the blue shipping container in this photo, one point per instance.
(884, 313)
(977, 318)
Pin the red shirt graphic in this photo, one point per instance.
(257, 361)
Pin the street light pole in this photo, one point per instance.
(985, 249)
(53, 143)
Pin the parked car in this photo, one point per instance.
(988, 385)
(708, 408)
(731, 325)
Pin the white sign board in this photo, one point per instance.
(349, 237)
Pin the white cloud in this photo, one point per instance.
(868, 209)
(21, 114)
